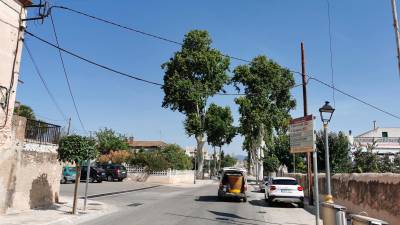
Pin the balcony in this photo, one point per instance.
(377, 139)
(36, 131)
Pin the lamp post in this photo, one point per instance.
(326, 112)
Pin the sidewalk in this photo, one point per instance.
(59, 213)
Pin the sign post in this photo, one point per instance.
(302, 140)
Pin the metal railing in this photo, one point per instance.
(377, 139)
(42, 132)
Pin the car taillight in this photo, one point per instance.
(272, 188)
(300, 188)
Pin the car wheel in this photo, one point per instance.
(110, 178)
(91, 180)
(270, 202)
(120, 180)
(301, 205)
(63, 180)
(99, 181)
(245, 199)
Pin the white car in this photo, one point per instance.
(284, 189)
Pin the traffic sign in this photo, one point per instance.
(301, 133)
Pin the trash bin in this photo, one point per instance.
(364, 220)
(333, 214)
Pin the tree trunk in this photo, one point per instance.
(215, 162)
(219, 160)
(200, 156)
(77, 180)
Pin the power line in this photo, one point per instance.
(66, 74)
(53, 99)
(356, 98)
(330, 50)
(158, 84)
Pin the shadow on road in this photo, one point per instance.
(224, 220)
(213, 198)
(263, 203)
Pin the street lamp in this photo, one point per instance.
(326, 112)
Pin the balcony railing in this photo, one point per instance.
(42, 132)
(377, 139)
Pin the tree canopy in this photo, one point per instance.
(108, 140)
(76, 149)
(176, 157)
(219, 125)
(25, 111)
(192, 75)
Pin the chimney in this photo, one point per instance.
(374, 124)
(131, 138)
(349, 132)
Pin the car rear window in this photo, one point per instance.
(284, 182)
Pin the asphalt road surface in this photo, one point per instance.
(140, 204)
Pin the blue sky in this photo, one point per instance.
(364, 59)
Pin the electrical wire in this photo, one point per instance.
(53, 99)
(356, 98)
(66, 74)
(159, 84)
(331, 51)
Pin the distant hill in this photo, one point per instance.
(240, 157)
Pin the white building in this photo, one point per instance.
(386, 140)
(191, 151)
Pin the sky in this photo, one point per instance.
(363, 50)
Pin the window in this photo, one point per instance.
(385, 134)
(284, 182)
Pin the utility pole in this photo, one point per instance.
(304, 81)
(69, 125)
(396, 31)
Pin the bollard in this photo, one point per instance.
(364, 220)
(333, 214)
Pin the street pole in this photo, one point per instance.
(327, 168)
(316, 191)
(87, 184)
(195, 167)
(396, 31)
(69, 125)
(304, 82)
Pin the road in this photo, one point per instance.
(171, 205)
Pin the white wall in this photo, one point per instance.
(9, 24)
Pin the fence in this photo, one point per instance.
(42, 132)
(166, 176)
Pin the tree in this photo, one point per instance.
(271, 163)
(228, 161)
(192, 75)
(264, 110)
(117, 157)
(365, 162)
(25, 111)
(385, 164)
(219, 129)
(76, 149)
(280, 147)
(396, 164)
(339, 152)
(108, 140)
(176, 157)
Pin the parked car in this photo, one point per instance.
(233, 183)
(115, 172)
(68, 174)
(284, 189)
(96, 174)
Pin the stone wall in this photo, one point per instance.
(29, 176)
(377, 194)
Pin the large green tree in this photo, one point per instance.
(108, 140)
(192, 76)
(25, 111)
(176, 157)
(76, 149)
(219, 129)
(227, 160)
(339, 152)
(264, 110)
